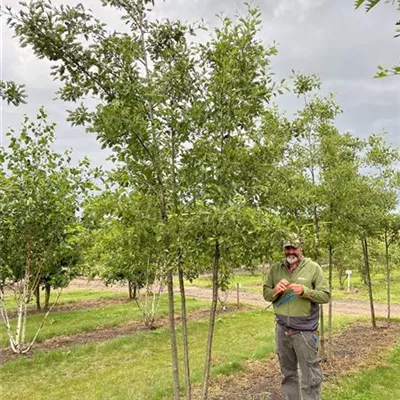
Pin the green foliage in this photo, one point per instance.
(123, 234)
(12, 93)
(207, 169)
(40, 195)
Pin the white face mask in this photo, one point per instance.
(291, 259)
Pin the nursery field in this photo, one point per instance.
(358, 290)
(95, 346)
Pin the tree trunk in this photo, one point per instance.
(322, 332)
(164, 217)
(213, 310)
(47, 289)
(132, 288)
(368, 280)
(184, 329)
(24, 289)
(342, 276)
(37, 296)
(174, 349)
(330, 302)
(387, 244)
(185, 341)
(321, 307)
(4, 315)
(19, 320)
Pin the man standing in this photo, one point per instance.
(296, 287)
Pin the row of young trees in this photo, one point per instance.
(40, 194)
(209, 175)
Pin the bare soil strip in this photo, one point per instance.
(77, 306)
(356, 308)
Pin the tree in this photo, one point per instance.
(384, 160)
(391, 236)
(236, 87)
(311, 126)
(141, 114)
(123, 233)
(160, 108)
(64, 267)
(340, 156)
(39, 196)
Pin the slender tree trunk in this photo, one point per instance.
(132, 288)
(387, 244)
(19, 320)
(28, 348)
(37, 296)
(174, 349)
(4, 315)
(164, 215)
(185, 341)
(207, 366)
(24, 321)
(184, 329)
(321, 307)
(22, 300)
(368, 280)
(330, 302)
(322, 332)
(342, 276)
(47, 289)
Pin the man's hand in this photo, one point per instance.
(281, 287)
(298, 289)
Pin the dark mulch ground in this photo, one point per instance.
(352, 349)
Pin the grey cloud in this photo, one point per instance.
(325, 37)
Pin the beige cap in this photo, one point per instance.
(292, 240)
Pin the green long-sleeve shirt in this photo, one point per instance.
(292, 311)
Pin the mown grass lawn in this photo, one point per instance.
(139, 367)
(136, 367)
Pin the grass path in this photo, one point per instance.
(136, 367)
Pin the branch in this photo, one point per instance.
(6, 321)
(67, 56)
(41, 325)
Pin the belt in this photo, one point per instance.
(290, 333)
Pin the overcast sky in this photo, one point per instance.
(324, 37)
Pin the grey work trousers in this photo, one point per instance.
(299, 349)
